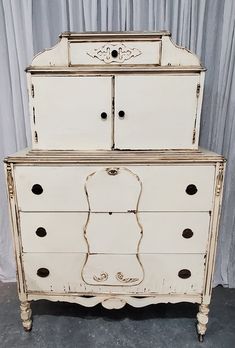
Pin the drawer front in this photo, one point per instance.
(161, 273)
(143, 188)
(167, 232)
(105, 53)
(174, 232)
(53, 232)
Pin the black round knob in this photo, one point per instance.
(103, 115)
(43, 272)
(114, 53)
(41, 232)
(187, 233)
(121, 114)
(184, 273)
(191, 189)
(37, 189)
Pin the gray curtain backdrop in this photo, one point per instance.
(207, 27)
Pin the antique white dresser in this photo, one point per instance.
(115, 203)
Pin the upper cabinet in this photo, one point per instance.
(103, 91)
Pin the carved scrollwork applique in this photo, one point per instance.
(121, 278)
(114, 53)
(101, 278)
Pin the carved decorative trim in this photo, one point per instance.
(220, 179)
(112, 301)
(10, 182)
(123, 53)
(102, 277)
(121, 278)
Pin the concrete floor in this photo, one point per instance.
(70, 325)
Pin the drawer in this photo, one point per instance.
(113, 53)
(166, 232)
(118, 189)
(161, 273)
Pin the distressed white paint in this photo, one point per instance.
(160, 284)
(160, 277)
(118, 270)
(94, 246)
(134, 52)
(115, 233)
(112, 300)
(72, 49)
(163, 188)
(176, 55)
(68, 112)
(55, 56)
(119, 192)
(160, 111)
(162, 232)
(64, 232)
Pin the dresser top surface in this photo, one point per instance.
(29, 156)
(117, 34)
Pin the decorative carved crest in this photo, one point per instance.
(114, 53)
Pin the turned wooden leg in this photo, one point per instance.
(202, 318)
(25, 313)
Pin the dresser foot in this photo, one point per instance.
(202, 320)
(26, 313)
(201, 338)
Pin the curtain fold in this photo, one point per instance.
(207, 27)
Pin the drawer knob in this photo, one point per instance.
(112, 171)
(187, 233)
(184, 273)
(121, 114)
(191, 189)
(103, 115)
(114, 53)
(41, 232)
(37, 189)
(43, 272)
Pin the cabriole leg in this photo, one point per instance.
(26, 313)
(202, 318)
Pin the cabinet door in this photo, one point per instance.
(156, 112)
(72, 112)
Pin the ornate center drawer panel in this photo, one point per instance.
(129, 52)
(115, 189)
